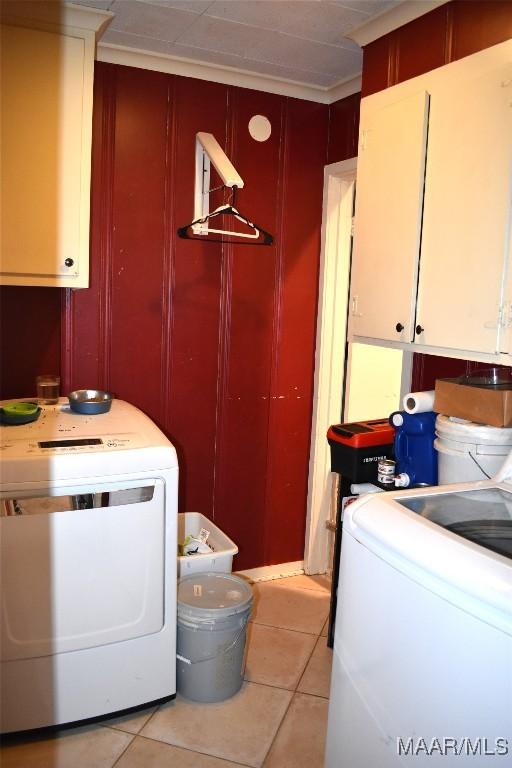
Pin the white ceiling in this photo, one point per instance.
(294, 40)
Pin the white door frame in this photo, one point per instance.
(331, 336)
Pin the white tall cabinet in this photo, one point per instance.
(388, 221)
(47, 65)
(433, 214)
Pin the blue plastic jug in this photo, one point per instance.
(415, 454)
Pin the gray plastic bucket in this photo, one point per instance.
(213, 611)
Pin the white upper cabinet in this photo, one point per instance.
(432, 238)
(467, 210)
(505, 332)
(46, 89)
(390, 173)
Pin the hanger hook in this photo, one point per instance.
(233, 195)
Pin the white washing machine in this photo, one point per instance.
(88, 514)
(422, 663)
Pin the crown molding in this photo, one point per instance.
(59, 16)
(389, 20)
(344, 88)
(175, 65)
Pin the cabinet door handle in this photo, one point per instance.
(399, 327)
(69, 262)
(419, 329)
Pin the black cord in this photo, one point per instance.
(478, 465)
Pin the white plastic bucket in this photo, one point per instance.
(468, 451)
(213, 612)
(220, 559)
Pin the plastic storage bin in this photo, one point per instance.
(220, 560)
(357, 447)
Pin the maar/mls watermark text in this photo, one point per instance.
(450, 746)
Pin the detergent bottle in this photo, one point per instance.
(415, 455)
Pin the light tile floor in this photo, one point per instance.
(277, 720)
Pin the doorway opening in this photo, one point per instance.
(352, 381)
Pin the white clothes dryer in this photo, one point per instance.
(88, 515)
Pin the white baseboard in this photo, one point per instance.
(269, 572)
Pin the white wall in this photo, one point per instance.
(374, 380)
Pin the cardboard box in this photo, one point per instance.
(483, 405)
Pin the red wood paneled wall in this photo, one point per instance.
(449, 32)
(343, 128)
(215, 343)
(30, 337)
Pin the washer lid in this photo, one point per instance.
(214, 595)
(483, 516)
(411, 530)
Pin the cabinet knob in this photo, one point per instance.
(69, 262)
(419, 329)
(399, 327)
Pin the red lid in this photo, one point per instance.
(362, 434)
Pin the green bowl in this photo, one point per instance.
(19, 413)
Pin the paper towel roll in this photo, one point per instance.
(419, 402)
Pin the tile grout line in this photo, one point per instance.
(307, 663)
(294, 694)
(267, 753)
(301, 675)
(194, 751)
(133, 737)
(328, 697)
(154, 713)
(269, 685)
(293, 691)
(288, 629)
(115, 728)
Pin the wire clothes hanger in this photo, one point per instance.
(258, 236)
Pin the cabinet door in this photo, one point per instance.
(505, 329)
(390, 176)
(45, 184)
(467, 209)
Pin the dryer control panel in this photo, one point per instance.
(65, 445)
(57, 446)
